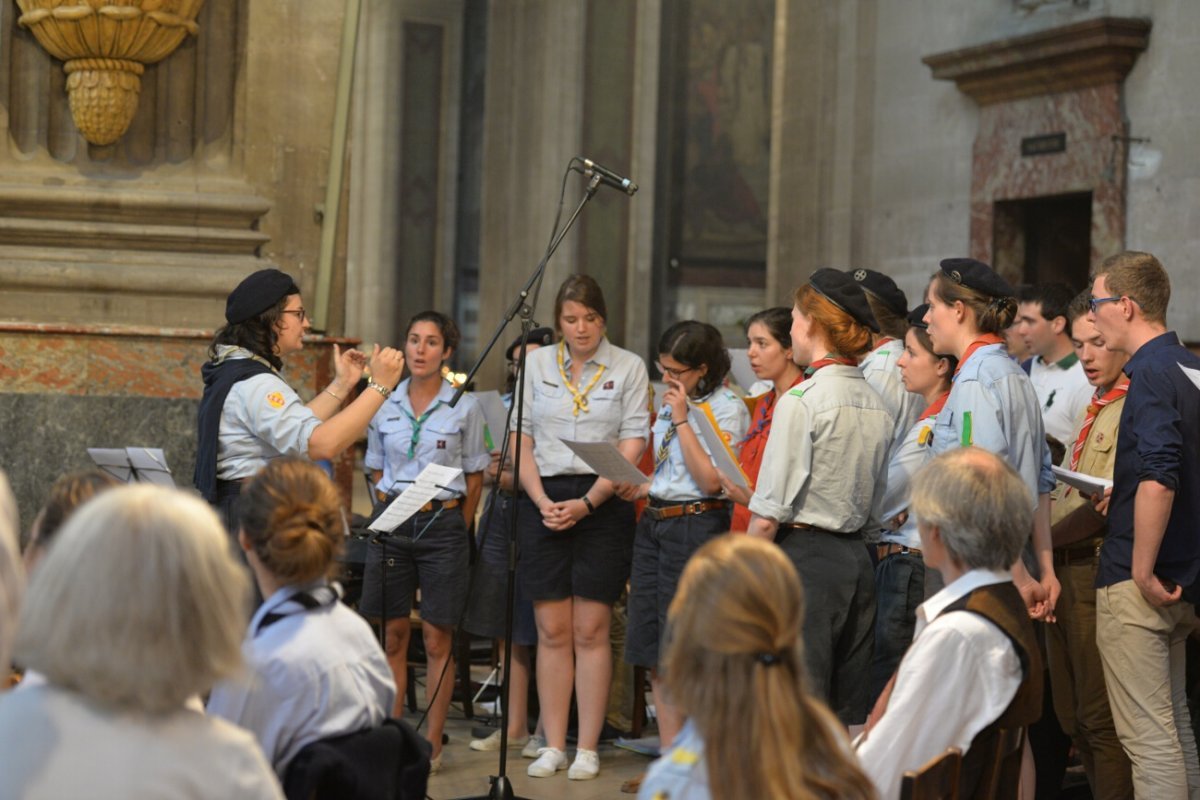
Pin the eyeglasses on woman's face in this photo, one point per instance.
(302, 315)
(671, 372)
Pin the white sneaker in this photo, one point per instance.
(549, 761)
(533, 746)
(435, 764)
(491, 743)
(586, 766)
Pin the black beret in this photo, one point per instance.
(538, 336)
(256, 293)
(916, 317)
(844, 292)
(978, 276)
(882, 287)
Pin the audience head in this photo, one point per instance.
(68, 493)
(580, 313)
(966, 298)
(831, 314)
(254, 315)
(140, 604)
(1102, 366)
(734, 663)
(12, 579)
(291, 521)
(976, 505)
(1130, 288)
(1042, 318)
(695, 353)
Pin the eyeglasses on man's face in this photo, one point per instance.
(1095, 302)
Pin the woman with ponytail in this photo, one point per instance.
(313, 667)
(734, 662)
(992, 403)
(822, 481)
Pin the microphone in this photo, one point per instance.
(608, 176)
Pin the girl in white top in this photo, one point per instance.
(575, 535)
(993, 405)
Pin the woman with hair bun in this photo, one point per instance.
(992, 403)
(734, 662)
(685, 508)
(314, 668)
(821, 483)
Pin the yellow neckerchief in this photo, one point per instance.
(579, 398)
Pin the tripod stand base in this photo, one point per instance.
(501, 790)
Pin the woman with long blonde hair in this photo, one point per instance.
(734, 664)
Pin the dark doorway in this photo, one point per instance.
(1044, 239)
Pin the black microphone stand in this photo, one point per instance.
(501, 789)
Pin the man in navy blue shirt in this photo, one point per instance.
(1150, 561)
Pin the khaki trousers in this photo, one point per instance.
(1077, 683)
(1142, 648)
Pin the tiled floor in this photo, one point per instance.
(465, 772)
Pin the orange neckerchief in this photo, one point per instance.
(982, 341)
(935, 406)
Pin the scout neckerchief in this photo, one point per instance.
(828, 360)
(1093, 410)
(982, 341)
(762, 414)
(579, 398)
(324, 595)
(664, 447)
(418, 423)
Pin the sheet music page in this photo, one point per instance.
(1193, 374)
(113, 461)
(722, 455)
(151, 465)
(494, 414)
(423, 489)
(606, 461)
(1086, 484)
(739, 368)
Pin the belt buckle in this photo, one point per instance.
(696, 507)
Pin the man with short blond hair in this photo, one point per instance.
(1147, 580)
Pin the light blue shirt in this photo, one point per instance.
(993, 405)
(263, 418)
(680, 773)
(672, 480)
(881, 368)
(618, 405)
(913, 452)
(311, 675)
(450, 436)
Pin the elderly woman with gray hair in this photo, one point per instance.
(974, 667)
(139, 606)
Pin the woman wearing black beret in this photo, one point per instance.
(248, 413)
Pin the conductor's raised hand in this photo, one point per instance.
(387, 365)
(348, 366)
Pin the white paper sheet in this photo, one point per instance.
(494, 414)
(1087, 485)
(148, 464)
(423, 489)
(743, 375)
(606, 461)
(1193, 374)
(722, 455)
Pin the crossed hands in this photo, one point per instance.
(563, 515)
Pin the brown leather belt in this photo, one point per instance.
(432, 505)
(786, 529)
(1077, 552)
(886, 549)
(685, 509)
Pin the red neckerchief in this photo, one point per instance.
(935, 406)
(828, 360)
(1093, 410)
(884, 341)
(982, 341)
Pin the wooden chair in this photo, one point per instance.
(1001, 776)
(936, 780)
